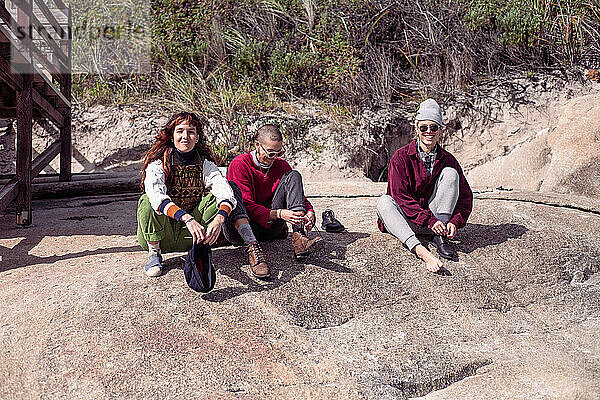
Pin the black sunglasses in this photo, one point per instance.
(432, 128)
(272, 154)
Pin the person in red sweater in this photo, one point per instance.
(427, 192)
(272, 192)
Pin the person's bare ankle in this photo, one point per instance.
(432, 263)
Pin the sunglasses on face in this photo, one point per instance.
(432, 128)
(271, 153)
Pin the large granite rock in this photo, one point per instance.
(575, 146)
(561, 159)
(360, 319)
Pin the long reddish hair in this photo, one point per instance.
(164, 145)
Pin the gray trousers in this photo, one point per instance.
(289, 194)
(441, 203)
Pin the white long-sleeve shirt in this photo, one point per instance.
(156, 188)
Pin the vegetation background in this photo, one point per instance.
(225, 59)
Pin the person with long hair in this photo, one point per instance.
(187, 200)
(427, 193)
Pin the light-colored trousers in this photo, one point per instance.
(441, 203)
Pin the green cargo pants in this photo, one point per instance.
(171, 234)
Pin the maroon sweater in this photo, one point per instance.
(257, 188)
(411, 188)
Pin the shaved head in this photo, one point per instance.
(269, 132)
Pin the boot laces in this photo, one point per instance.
(256, 251)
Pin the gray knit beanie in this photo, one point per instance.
(429, 110)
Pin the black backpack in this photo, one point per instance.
(199, 269)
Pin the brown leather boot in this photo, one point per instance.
(258, 266)
(302, 244)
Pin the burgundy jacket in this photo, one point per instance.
(411, 188)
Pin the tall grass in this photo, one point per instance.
(214, 98)
(217, 57)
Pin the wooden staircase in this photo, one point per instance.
(35, 82)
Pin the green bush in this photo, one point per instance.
(520, 23)
(565, 28)
(179, 30)
(340, 63)
(292, 70)
(250, 60)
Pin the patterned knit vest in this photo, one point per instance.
(186, 189)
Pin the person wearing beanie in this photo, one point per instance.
(427, 193)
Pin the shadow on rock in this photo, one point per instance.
(45, 228)
(279, 254)
(331, 253)
(476, 236)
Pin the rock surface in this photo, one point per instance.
(561, 159)
(360, 319)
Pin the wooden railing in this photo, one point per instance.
(35, 69)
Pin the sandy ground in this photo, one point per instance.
(361, 319)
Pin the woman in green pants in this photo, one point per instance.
(187, 200)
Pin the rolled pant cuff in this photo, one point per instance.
(445, 218)
(412, 242)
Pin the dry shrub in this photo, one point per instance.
(369, 52)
